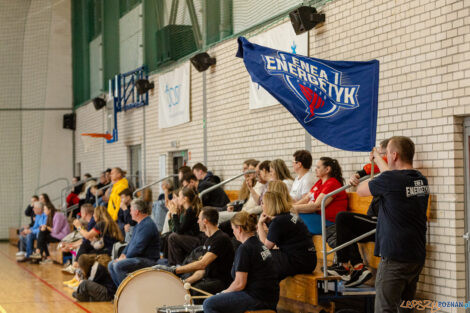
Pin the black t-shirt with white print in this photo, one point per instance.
(254, 258)
(219, 244)
(401, 224)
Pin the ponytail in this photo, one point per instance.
(246, 221)
(336, 171)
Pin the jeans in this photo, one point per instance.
(396, 282)
(313, 222)
(30, 243)
(119, 269)
(234, 302)
(93, 292)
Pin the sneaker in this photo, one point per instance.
(339, 270)
(20, 253)
(46, 261)
(36, 256)
(68, 282)
(358, 276)
(69, 269)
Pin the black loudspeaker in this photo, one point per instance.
(69, 121)
(305, 18)
(99, 103)
(202, 61)
(143, 85)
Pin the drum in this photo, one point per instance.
(181, 309)
(147, 289)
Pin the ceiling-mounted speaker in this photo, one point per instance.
(305, 18)
(202, 61)
(143, 85)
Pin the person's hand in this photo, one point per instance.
(230, 208)
(249, 183)
(127, 228)
(374, 154)
(77, 223)
(171, 269)
(165, 189)
(172, 207)
(354, 179)
(43, 227)
(264, 218)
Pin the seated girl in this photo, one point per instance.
(296, 253)
(255, 284)
(279, 171)
(55, 229)
(330, 178)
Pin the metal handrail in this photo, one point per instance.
(51, 182)
(225, 182)
(151, 184)
(69, 187)
(323, 229)
(96, 196)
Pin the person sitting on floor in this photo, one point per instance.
(216, 198)
(30, 235)
(255, 285)
(212, 272)
(143, 250)
(330, 177)
(55, 229)
(296, 253)
(200, 171)
(279, 171)
(301, 163)
(185, 236)
(124, 220)
(350, 266)
(97, 284)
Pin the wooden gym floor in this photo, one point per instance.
(31, 288)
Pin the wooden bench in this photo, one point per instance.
(232, 194)
(13, 237)
(56, 254)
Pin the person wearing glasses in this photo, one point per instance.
(305, 179)
(350, 265)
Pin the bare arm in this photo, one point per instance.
(312, 207)
(363, 189)
(196, 276)
(202, 264)
(238, 283)
(262, 233)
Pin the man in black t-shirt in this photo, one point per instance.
(212, 272)
(401, 224)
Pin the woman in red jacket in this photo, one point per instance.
(330, 178)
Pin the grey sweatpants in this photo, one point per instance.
(395, 282)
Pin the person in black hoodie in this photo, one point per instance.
(200, 171)
(124, 219)
(97, 285)
(217, 198)
(30, 212)
(185, 236)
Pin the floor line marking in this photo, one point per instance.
(44, 282)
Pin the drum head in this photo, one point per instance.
(147, 289)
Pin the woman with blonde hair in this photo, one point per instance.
(296, 253)
(279, 171)
(255, 285)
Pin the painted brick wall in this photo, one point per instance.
(424, 52)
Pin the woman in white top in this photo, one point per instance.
(279, 171)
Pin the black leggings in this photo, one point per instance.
(44, 237)
(349, 226)
(286, 265)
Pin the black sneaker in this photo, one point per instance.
(339, 270)
(358, 277)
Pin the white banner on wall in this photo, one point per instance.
(281, 38)
(173, 97)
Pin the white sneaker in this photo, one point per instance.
(21, 253)
(69, 269)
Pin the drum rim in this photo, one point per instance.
(130, 276)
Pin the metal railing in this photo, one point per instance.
(225, 182)
(69, 187)
(151, 184)
(36, 191)
(323, 230)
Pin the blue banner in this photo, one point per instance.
(335, 101)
